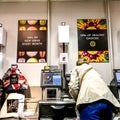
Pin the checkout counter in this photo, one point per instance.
(54, 104)
(57, 110)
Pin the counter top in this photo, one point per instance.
(59, 102)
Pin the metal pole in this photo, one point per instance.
(64, 66)
(49, 33)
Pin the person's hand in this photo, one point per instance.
(77, 118)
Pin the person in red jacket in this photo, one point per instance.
(14, 80)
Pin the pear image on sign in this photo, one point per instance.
(14, 79)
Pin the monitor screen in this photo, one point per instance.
(51, 79)
(116, 79)
(117, 76)
(56, 79)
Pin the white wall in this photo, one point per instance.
(67, 12)
(115, 26)
(10, 13)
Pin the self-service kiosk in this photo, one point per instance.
(53, 106)
(115, 88)
(115, 83)
(51, 83)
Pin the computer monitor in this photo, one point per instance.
(51, 79)
(117, 76)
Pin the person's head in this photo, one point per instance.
(81, 61)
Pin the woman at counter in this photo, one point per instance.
(94, 100)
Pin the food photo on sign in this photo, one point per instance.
(92, 40)
(32, 41)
